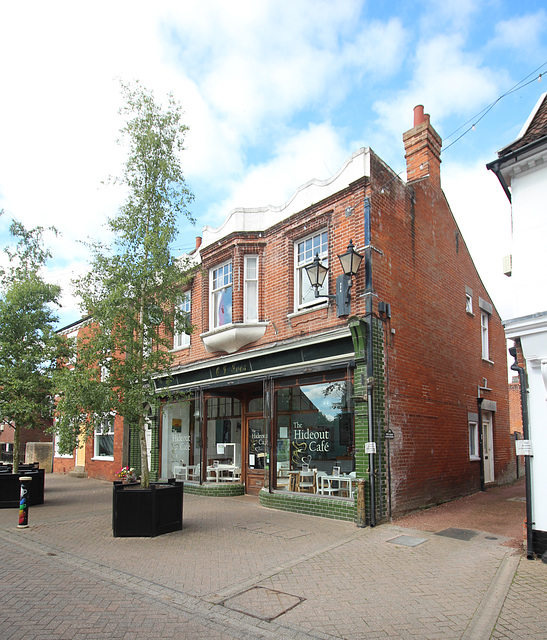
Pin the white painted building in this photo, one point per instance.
(521, 168)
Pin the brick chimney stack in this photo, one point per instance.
(422, 149)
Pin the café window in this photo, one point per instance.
(223, 440)
(181, 441)
(314, 428)
(221, 295)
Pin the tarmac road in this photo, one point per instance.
(240, 571)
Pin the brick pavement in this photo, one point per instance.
(238, 570)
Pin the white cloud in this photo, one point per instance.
(316, 152)
(483, 214)
(522, 34)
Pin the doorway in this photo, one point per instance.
(255, 432)
(487, 446)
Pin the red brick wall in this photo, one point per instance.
(434, 347)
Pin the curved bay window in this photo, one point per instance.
(314, 434)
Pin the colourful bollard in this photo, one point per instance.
(23, 502)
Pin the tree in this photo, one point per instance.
(131, 291)
(30, 349)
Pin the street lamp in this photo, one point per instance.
(350, 261)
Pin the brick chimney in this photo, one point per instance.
(422, 149)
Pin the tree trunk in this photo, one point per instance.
(16, 449)
(145, 473)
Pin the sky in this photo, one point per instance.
(274, 93)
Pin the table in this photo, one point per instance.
(325, 484)
(187, 472)
(223, 472)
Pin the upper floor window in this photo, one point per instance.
(181, 339)
(484, 336)
(305, 252)
(250, 296)
(221, 296)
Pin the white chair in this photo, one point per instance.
(307, 481)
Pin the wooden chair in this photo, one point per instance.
(294, 481)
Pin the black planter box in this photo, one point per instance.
(10, 488)
(138, 512)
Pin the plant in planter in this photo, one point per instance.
(132, 292)
(127, 475)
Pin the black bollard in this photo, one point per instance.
(23, 502)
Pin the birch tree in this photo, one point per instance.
(130, 294)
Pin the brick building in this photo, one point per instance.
(277, 390)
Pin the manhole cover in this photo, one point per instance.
(262, 603)
(458, 534)
(407, 541)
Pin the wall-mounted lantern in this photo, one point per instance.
(317, 272)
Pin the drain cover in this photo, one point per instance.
(458, 534)
(407, 541)
(260, 602)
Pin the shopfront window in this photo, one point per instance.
(314, 428)
(223, 439)
(181, 441)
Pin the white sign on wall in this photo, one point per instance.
(524, 447)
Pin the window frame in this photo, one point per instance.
(98, 432)
(300, 277)
(213, 291)
(473, 439)
(181, 339)
(485, 339)
(247, 293)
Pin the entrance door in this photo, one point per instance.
(256, 455)
(487, 447)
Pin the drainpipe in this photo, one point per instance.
(370, 359)
(526, 433)
(481, 443)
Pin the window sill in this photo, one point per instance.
(304, 310)
(103, 458)
(65, 456)
(232, 337)
(177, 349)
(487, 360)
(474, 458)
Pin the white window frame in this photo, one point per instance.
(101, 432)
(485, 342)
(474, 440)
(305, 250)
(181, 340)
(56, 453)
(250, 289)
(469, 303)
(218, 284)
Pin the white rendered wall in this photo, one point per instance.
(535, 351)
(529, 276)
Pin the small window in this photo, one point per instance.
(104, 439)
(473, 441)
(251, 289)
(181, 339)
(305, 252)
(484, 336)
(221, 295)
(469, 303)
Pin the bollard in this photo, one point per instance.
(23, 502)
(361, 511)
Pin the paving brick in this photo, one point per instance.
(67, 578)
